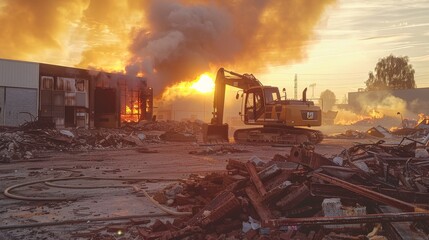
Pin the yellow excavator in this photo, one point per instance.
(262, 105)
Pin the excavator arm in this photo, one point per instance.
(241, 81)
(217, 129)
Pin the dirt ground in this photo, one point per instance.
(81, 214)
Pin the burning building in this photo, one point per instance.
(70, 97)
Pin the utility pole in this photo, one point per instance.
(296, 87)
(312, 88)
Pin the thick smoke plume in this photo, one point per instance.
(168, 41)
(84, 33)
(181, 39)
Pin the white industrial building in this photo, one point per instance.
(19, 88)
(70, 97)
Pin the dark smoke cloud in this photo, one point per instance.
(182, 39)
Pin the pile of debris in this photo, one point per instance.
(24, 142)
(382, 132)
(369, 191)
(184, 131)
(349, 134)
(219, 150)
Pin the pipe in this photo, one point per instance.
(65, 222)
(174, 213)
(7, 191)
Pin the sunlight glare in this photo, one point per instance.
(204, 84)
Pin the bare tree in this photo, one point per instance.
(327, 99)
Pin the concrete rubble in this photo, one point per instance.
(30, 139)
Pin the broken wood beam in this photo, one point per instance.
(251, 169)
(262, 210)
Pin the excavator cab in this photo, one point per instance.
(256, 101)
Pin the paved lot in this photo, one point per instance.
(172, 161)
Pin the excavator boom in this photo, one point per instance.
(217, 129)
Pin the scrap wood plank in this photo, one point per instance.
(263, 211)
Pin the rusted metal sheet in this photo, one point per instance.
(408, 207)
(308, 158)
(369, 218)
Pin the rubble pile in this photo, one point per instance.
(369, 191)
(350, 134)
(220, 150)
(24, 142)
(174, 130)
(381, 132)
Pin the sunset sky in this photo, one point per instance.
(332, 44)
(352, 36)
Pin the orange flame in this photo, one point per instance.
(132, 113)
(374, 114)
(349, 118)
(204, 84)
(422, 117)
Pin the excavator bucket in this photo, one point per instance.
(215, 133)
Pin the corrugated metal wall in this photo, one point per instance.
(2, 98)
(19, 74)
(20, 106)
(19, 86)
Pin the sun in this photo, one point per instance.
(204, 83)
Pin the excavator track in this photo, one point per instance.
(277, 135)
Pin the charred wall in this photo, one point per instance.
(65, 95)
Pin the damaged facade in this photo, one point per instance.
(70, 97)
